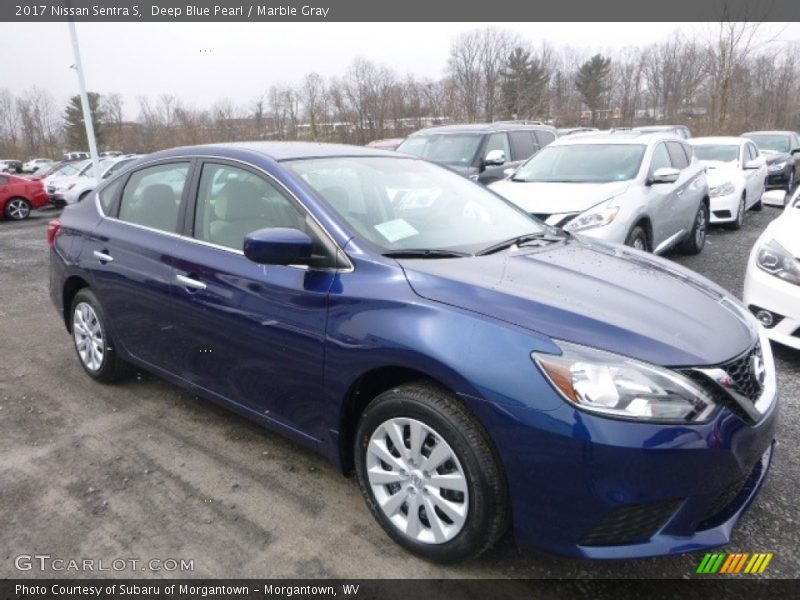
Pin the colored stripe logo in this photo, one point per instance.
(737, 562)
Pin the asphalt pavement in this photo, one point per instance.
(146, 471)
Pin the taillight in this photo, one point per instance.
(53, 227)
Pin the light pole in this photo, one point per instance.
(87, 112)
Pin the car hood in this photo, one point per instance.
(550, 198)
(68, 180)
(466, 171)
(775, 157)
(596, 294)
(784, 230)
(718, 172)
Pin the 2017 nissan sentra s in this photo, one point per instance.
(477, 368)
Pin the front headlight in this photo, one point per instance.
(594, 217)
(721, 190)
(618, 386)
(777, 167)
(778, 261)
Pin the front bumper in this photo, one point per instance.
(58, 200)
(778, 179)
(593, 487)
(724, 209)
(764, 291)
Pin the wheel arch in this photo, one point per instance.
(72, 285)
(369, 385)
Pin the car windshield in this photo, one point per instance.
(583, 163)
(447, 148)
(722, 153)
(402, 204)
(104, 164)
(771, 142)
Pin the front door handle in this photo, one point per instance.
(103, 257)
(191, 282)
(679, 193)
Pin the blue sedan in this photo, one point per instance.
(476, 368)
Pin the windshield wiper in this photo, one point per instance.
(518, 241)
(425, 253)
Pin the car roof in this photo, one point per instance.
(485, 127)
(717, 139)
(770, 132)
(280, 151)
(617, 137)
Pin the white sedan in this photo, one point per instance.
(772, 283)
(70, 190)
(737, 175)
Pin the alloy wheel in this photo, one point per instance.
(417, 481)
(88, 334)
(700, 227)
(18, 209)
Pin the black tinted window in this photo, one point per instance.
(152, 196)
(544, 138)
(677, 155)
(522, 145)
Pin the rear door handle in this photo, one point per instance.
(191, 282)
(102, 256)
(679, 193)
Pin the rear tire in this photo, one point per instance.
(460, 505)
(93, 344)
(696, 239)
(637, 238)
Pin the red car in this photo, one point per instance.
(18, 196)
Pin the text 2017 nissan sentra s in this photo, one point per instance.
(477, 368)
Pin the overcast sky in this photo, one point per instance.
(241, 60)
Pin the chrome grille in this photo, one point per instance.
(740, 371)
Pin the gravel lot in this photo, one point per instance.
(145, 470)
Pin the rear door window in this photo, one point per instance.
(152, 197)
(544, 137)
(522, 145)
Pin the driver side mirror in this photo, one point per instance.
(278, 246)
(665, 175)
(495, 158)
(794, 151)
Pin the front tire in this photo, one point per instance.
(790, 183)
(18, 209)
(429, 474)
(739, 221)
(637, 238)
(694, 243)
(93, 344)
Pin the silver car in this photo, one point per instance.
(646, 190)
